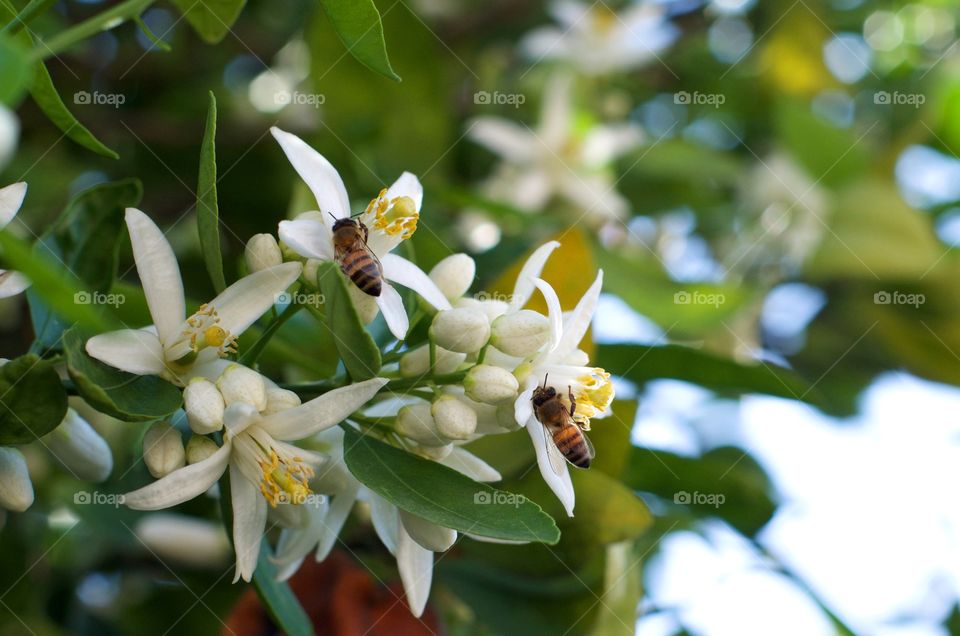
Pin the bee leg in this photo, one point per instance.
(573, 402)
(366, 232)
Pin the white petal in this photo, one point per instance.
(308, 238)
(512, 142)
(182, 484)
(595, 195)
(429, 535)
(556, 118)
(466, 463)
(416, 570)
(322, 412)
(240, 304)
(531, 269)
(386, 519)
(400, 270)
(249, 521)
(238, 417)
(11, 198)
(391, 305)
(553, 311)
(12, 283)
(295, 543)
(159, 274)
(133, 350)
(576, 325)
(333, 522)
(603, 144)
(407, 185)
(523, 408)
(319, 175)
(560, 484)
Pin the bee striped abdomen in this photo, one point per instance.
(570, 443)
(363, 270)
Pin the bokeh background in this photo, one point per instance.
(773, 183)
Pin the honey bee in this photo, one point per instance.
(356, 260)
(566, 439)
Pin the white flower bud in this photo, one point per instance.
(416, 362)
(416, 422)
(262, 252)
(163, 450)
(16, 489)
(490, 384)
(520, 334)
(242, 384)
(463, 330)
(309, 273)
(204, 405)
(185, 539)
(280, 400)
(454, 418)
(492, 308)
(199, 448)
(80, 447)
(436, 453)
(454, 274)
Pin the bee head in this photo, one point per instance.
(344, 222)
(542, 394)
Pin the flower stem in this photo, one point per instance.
(105, 21)
(250, 355)
(29, 12)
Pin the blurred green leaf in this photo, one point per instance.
(356, 347)
(208, 213)
(32, 399)
(211, 19)
(831, 155)
(444, 496)
(278, 598)
(14, 71)
(45, 94)
(129, 397)
(358, 24)
(726, 471)
(642, 363)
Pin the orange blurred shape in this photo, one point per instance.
(341, 599)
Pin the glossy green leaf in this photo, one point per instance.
(642, 363)
(211, 19)
(14, 70)
(444, 496)
(129, 397)
(358, 24)
(208, 213)
(360, 354)
(32, 400)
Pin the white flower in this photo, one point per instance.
(262, 252)
(189, 540)
(11, 198)
(390, 219)
(264, 469)
(174, 347)
(9, 133)
(80, 448)
(562, 366)
(520, 333)
(415, 421)
(16, 489)
(462, 329)
(557, 159)
(596, 40)
(238, 383)
(416, 362)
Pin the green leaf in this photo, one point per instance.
(211, 19)
(57, 286)
(358, 24)
(14, 70)
(726, 471)
(278, 598)
(45, 94)
(129, 397)
(32, 400)
(444, 496)
(208, 214)
(86, 237)
(641, 363)
(360, 354)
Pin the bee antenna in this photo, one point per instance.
(332, 215)
(545, 376)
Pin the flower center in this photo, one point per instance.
(594, 395)
(285, 479)
(397, 216)
(604, 19)
(204, 331)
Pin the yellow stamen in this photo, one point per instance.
(593, 396)
(396, 216)
(285, 480)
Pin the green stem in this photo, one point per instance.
(250, 355)
(402, 384)
(105, 21)
(29, 12)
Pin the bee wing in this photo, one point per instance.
(557, 460)
(373, 255)
(590, 449)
